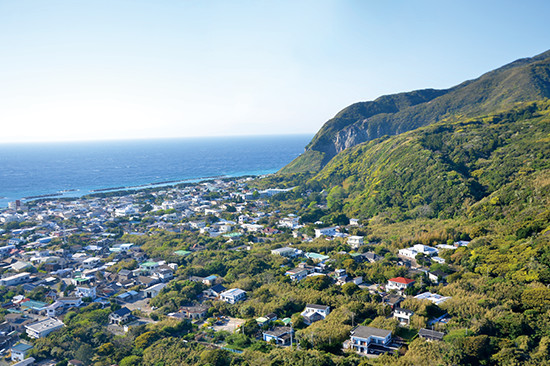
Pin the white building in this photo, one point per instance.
(15, 279)
(326, 231)
(232, 296)
(19, 351)
(355, 241)
(314, 312)
(286, 252)
(435, 298)
(363, 337)
(43, 328)
(85, 291)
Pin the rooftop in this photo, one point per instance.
(366, 332)
(45, 325)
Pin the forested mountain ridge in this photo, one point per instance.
(441, 170)
(520, 81)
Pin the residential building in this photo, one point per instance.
(326, 231)
(286, 252)
(154, 290)
(297, 274)
(403, 316)
(214, 291)
(19, 351)
(355, 241)
(430, 335)
(363, 339)
(314, 312)
(85, 291)
(435, 298)
(195, 312)
(42, 328)
(281, 336)
(121, 316)
(15, 279)
(232, 296)
(399, 283)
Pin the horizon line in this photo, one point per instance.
(30, 142)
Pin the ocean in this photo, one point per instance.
(73, 169)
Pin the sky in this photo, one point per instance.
(133, 69)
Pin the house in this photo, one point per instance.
(121, 316)
(232, 296)
(435, 298)
(326, 231)
(354, 222)
(42, 328)
(393, 300)
(403, 316)
(399, 283)
(15, 279)
(154, 290)
(297, 274)
(70, 301)
(55, 309)
(430, 335)
(195, 312)
(286, 252)
(437, 276)
(281, 336)
(316, 257)
(366, 339)
(416, 249)
(210, 280)
(125, 275)
(214, 291)
(314, 312)
(85, 291)
(19, 351)
(25, 362)
(355, 241)
(370, 257)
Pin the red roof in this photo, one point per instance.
(402, 280)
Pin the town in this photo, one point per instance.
(226, 265)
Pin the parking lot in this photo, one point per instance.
(229, 324)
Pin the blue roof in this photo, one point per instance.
(21, 347)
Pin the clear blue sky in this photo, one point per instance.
(73, 70)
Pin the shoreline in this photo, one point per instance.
(70, 193)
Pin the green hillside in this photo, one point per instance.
(466, 167)
(521, 81)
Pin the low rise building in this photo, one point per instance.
(363, 339)
(314, 312)
(403, 316)
(16, 279)
(430, 335)
(42, 328)
(19, 351)
(281, 336)
(233, 296)
(399, 283)
(355, 241)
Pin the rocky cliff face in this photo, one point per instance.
(520, 81)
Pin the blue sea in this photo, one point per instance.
(78, 168)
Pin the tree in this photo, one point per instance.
(84, 353)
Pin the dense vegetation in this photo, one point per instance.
(521, 81)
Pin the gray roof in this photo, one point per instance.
(431, 334)
(366, 332)
(278, 331)
(319, 307)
